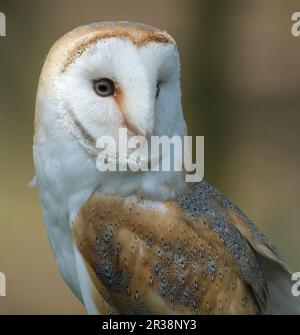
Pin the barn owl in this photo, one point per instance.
(139, 242)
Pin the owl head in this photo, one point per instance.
(102, 77)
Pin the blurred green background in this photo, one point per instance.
(240, 80)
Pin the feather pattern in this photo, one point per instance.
(196, 255)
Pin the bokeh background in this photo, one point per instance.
(240, 80)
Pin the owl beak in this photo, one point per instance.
(140, 126)
(132, 129)
(139, 111)
(138, 121)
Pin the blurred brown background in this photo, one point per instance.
(241, 79)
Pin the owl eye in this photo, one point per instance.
(157, 89)
(104, 87)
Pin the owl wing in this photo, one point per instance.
(278, 279)
(195, 255)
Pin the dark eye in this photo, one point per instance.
(104, 87)
(157, 89)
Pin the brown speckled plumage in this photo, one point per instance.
(188, 258)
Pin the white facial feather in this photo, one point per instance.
(136, 71)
